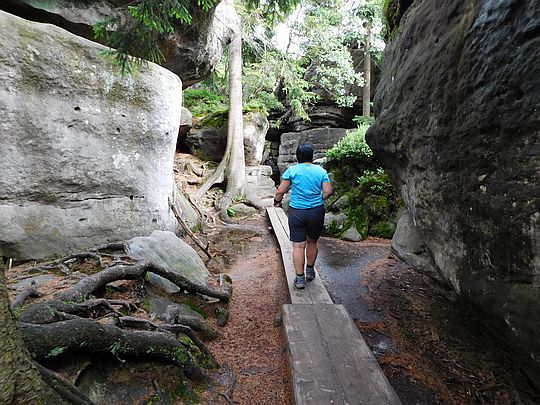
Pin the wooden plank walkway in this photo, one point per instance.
(315, 292)
(330, 361)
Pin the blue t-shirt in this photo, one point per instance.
(306, 180)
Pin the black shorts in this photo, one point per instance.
(306, 223)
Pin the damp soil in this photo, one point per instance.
(433, 348)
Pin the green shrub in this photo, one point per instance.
(353, 144)
(360, 220)
(382, 228)
(375, 182)
(203, 102)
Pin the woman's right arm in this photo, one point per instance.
(327, 190)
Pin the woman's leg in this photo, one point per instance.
(312, 250)
(299, 257)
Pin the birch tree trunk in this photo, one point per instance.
(366, 94)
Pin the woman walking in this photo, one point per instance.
(310, 187)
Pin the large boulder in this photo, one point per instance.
(87, 156)
(458, 130)
(322, 139)
(165, 249)
(191, 52)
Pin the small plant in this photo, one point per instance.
(231, 212)
(57, 351)
(375, 181)
(353, 144)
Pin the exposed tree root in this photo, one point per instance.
(62, 325)
(202, 246)
(21, 298)
(65, 390)
(88, 285)
(56, 310)
(80, 334)
(63, 263)
(137, 323)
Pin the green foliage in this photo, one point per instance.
(231, 212)
(216, 119)
(203, 101)
(137, 28)
(392, 13)
(375, 182)
(360, 219)
(56, 351)
(274, 11)
(331, 60)
(353, 144)
(382, 228)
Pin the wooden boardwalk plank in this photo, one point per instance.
(330, 361)
(315, 292)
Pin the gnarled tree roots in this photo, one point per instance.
(76, 321)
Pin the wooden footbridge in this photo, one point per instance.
(330, 361)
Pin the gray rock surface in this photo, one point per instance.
(213, 141)
(352, 234)
(191, 51)
(322, 139)
(242, 210)
(165, 249)
(87, 156)
(255, 127)
(336, 220)
(167, 310)
(409, 246)
(259, 181)
(186, 118)
(458, 130)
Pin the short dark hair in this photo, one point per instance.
(304, 153)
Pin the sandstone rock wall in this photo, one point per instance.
(86, 156)
(191, 51)
(322, 139)
(458, 127)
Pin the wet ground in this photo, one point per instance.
(432, 348)
(339, 265)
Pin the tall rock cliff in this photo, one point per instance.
(86, 155)
(458, 127)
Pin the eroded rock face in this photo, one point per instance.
(212, 142)
(87, 156)
(322, 139)
(458, 130)
(191, 51)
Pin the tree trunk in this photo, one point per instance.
(236, 167)
(20, 380)
(366, 94)
(232, 168)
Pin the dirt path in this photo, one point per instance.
(251, 344)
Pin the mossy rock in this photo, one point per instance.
(216, 120)
(382, 228)
(360, 219)
(377, 205)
